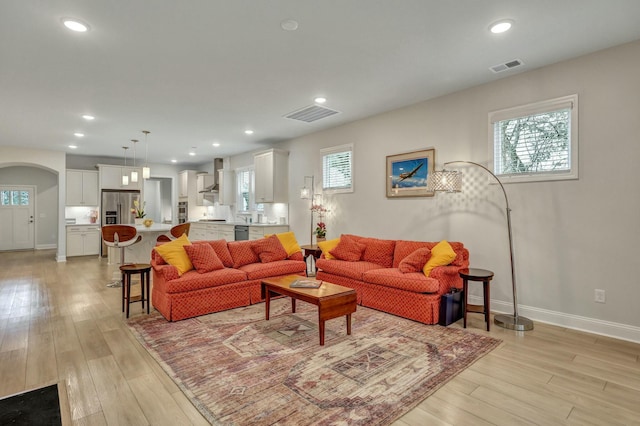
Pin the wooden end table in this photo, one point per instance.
(127, 271)
(475, 274)
(332, 300)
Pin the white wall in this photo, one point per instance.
(570, 237)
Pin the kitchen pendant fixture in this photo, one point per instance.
(134, 172)
(146, 171)
(125, 176)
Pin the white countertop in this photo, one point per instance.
(236, 223)
(156, 227)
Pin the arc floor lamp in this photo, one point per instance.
(451, 181)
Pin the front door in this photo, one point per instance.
(17, 222)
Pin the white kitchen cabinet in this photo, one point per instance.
(227, 232)
(271, 174)
(204, 180)
(111, 177)
(187, 185)
(197, 232)
(83, 240)
(81, 188)
(257, 232)
(226, 192)
(211, 231)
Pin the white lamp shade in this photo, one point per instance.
(305, 193)
(125, 179)
(146, 173)
(134, 176)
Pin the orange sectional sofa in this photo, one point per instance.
(237, 284)
(380, 283)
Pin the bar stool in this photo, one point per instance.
(176, 232)
(475, 274)
(120, 237)
(127, 271)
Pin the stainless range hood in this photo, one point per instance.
(213, 189)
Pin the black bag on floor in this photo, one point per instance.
(451, 307)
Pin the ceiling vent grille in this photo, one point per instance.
(506, 66)
(311, 113)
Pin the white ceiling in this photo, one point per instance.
(200, 71)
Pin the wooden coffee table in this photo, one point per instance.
(332, 300)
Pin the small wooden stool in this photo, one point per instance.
(127, 270)
(474, 274)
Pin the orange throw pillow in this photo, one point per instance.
(269, 249)
(203, 258)
(415, 261)
(348, 249)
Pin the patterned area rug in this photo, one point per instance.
(239, 369)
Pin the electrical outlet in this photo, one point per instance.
(599, 296)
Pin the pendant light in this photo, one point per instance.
(146, 171)
(125, 175)
(134, 172)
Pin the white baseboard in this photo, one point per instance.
(561, 319)
(46, 246)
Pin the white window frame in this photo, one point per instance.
(252, 191)
(570, 102)
(324, 153)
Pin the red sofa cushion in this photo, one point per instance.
(376, 250)
(192, 280)
(221, 249)
(348, 249)
(344, 268)
(415, 261)
(392, 277)
(256, 271)
(203, 258)
(269, 249)
(405, 248)
(242, 253)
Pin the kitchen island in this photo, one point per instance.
(140, 252)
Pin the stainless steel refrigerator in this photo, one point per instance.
(116, 208)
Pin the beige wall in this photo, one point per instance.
(570, 237)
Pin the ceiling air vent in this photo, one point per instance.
(506, 66)
(311, 113)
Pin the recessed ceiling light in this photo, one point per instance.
(216, 144)
(73, 146)
(289, 25)
(248, 132)
(174, 161)
(320, 100)
(192, 153)
(78, 134)
(501, 26)
(75, 25)
(88, 117)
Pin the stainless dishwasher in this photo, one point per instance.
(242, 232)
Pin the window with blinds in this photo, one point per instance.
(536, 142)
(337, 168)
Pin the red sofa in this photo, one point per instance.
(238, 284)
(380, 284)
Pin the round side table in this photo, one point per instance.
(480, 275)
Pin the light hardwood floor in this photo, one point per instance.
(60, 323)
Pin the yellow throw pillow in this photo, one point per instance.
(441, 254)
(327, 246)
(289, 242)
(174, 254)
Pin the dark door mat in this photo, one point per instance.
(36, 407)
